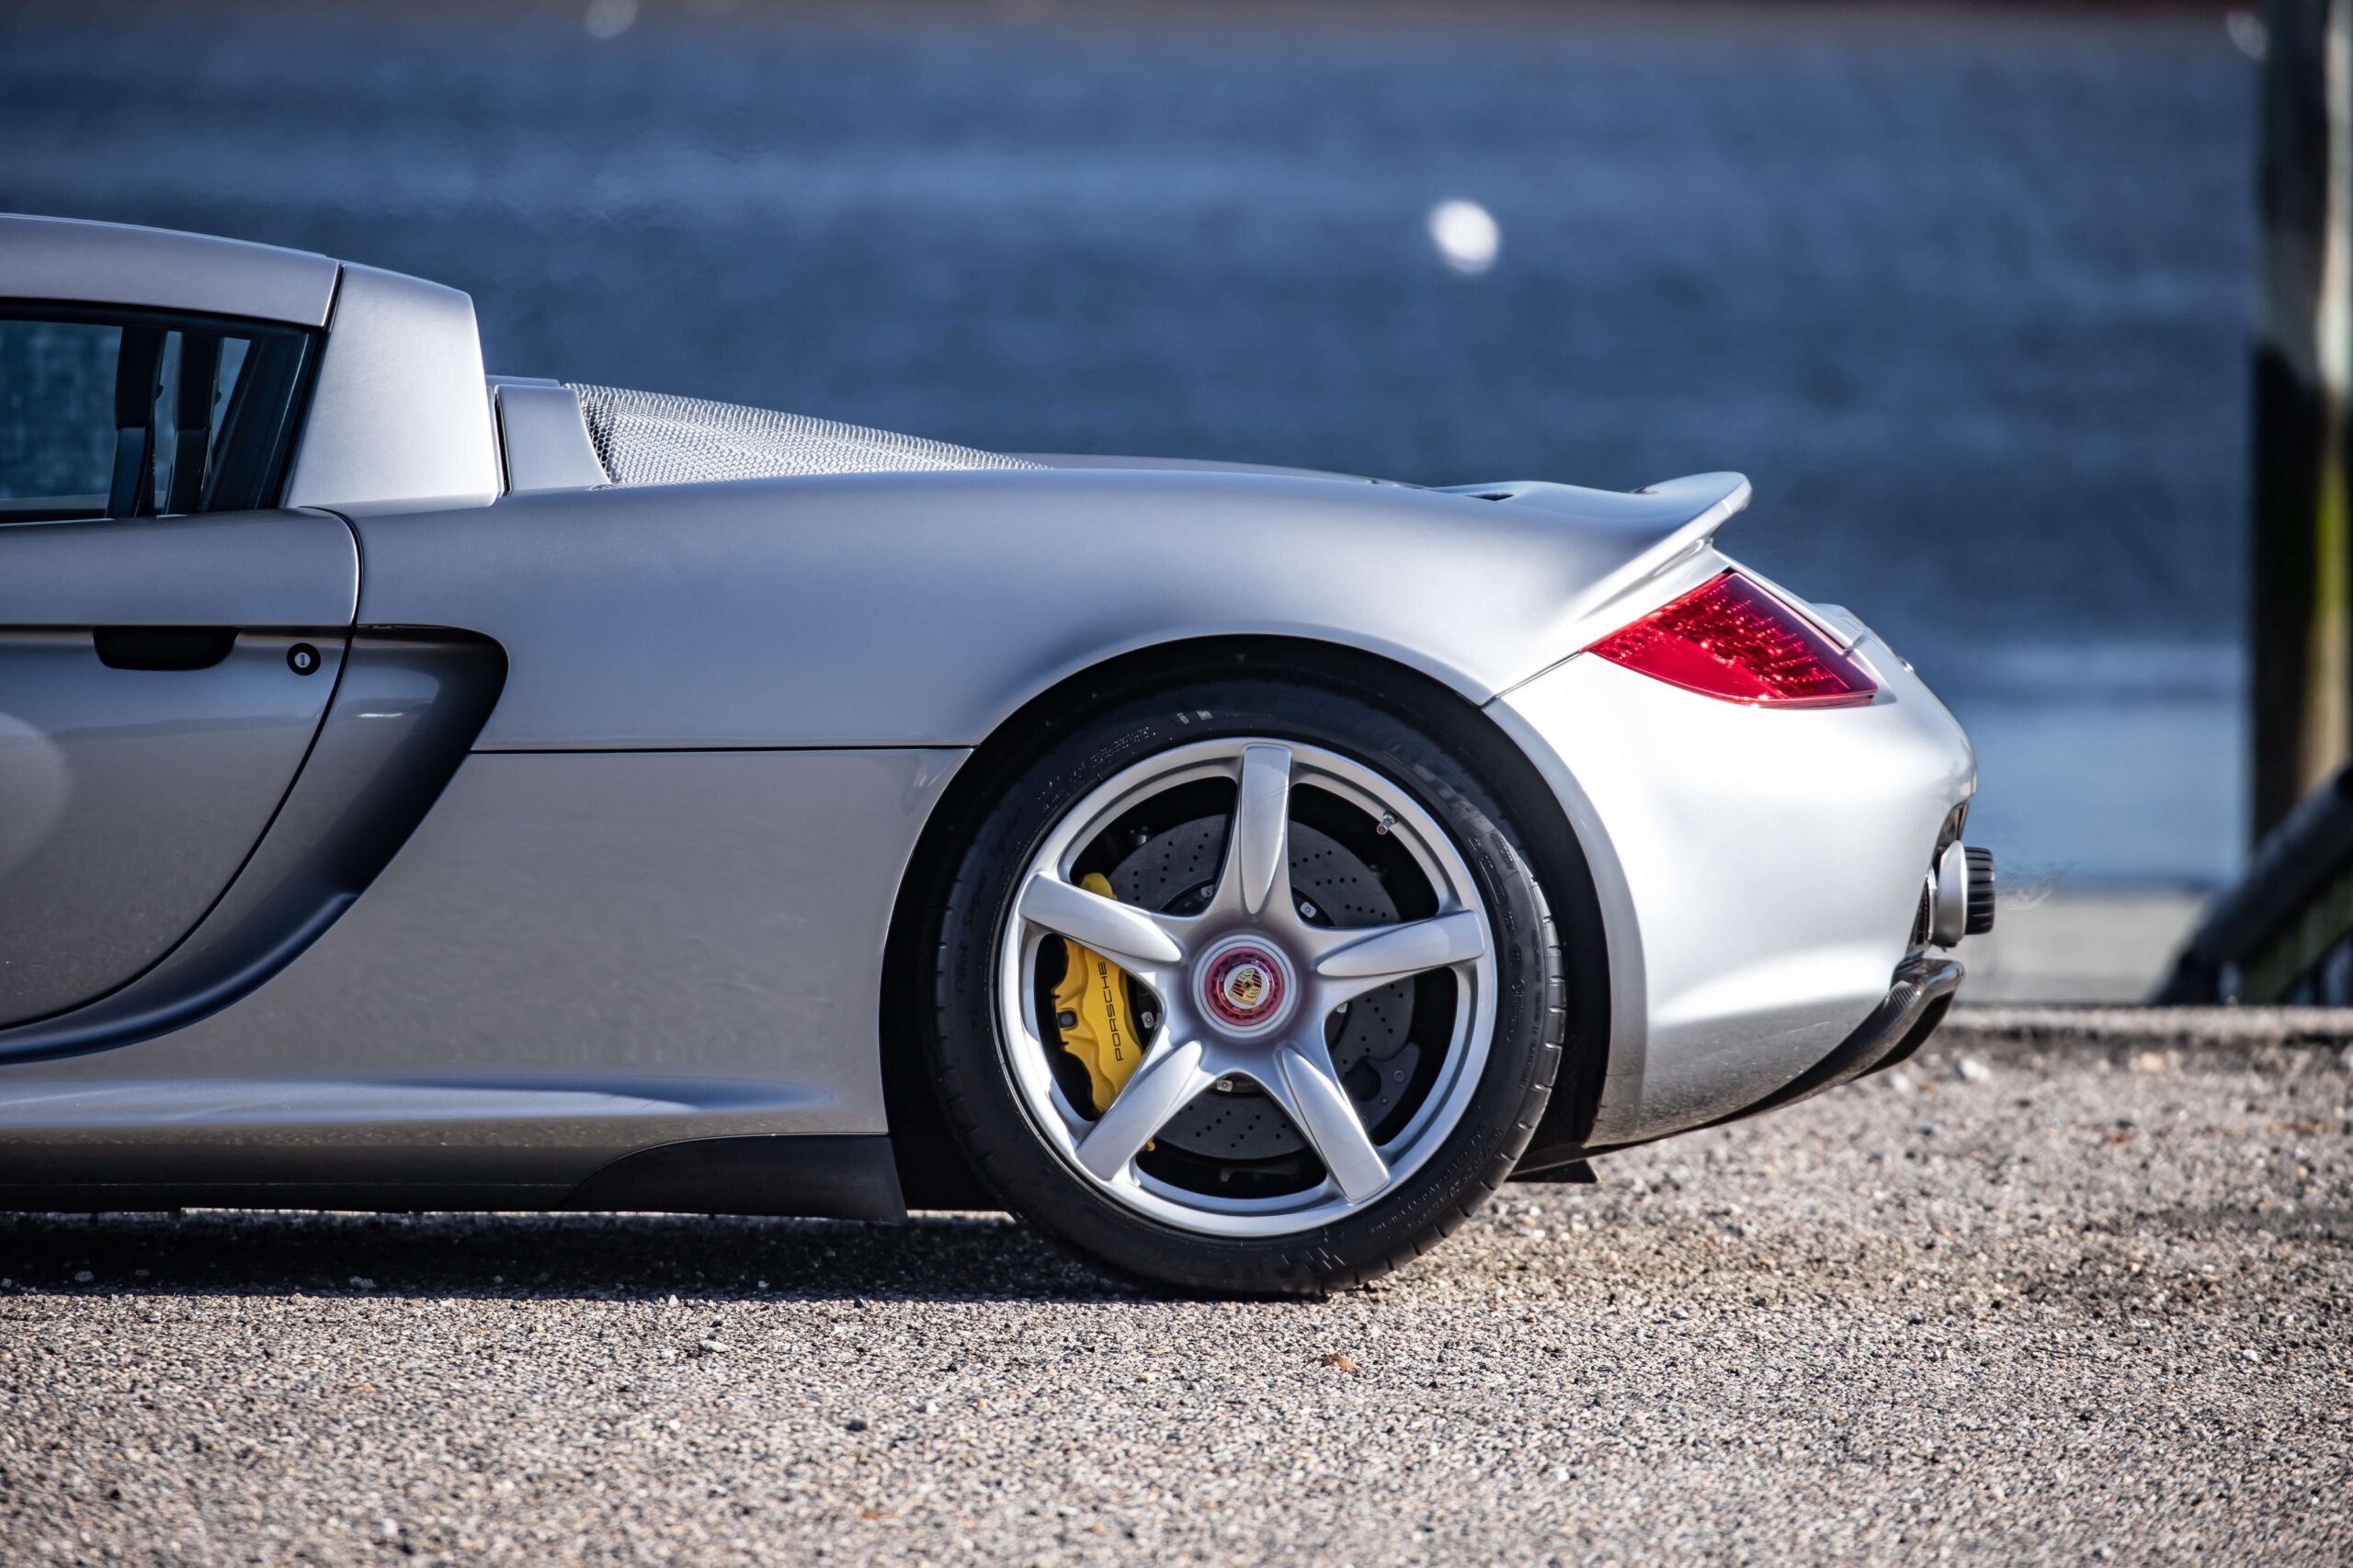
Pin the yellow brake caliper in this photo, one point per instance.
(1095, 1014)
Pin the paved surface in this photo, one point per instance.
(2007, 1304)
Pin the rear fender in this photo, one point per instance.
(922, 609)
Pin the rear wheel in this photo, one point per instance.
(1246, 987)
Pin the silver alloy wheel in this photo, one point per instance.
(1245, 986)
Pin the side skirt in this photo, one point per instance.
(815, 1178)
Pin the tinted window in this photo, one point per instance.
(132, 415)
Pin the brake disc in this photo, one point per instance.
(1235, 1120)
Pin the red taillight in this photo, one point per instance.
(1730, 639)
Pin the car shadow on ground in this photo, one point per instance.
(525, 1257)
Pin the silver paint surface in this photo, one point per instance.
(701, 930)
(380, 1131)
(399, 412)
(1197, 465)
(72, 260)
(923, 608)
(1759, 870)
(129, 799)
(252, 569)
(402, 714)
(543, 440)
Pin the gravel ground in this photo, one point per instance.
(2012, 1302)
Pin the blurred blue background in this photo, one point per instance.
(1965, 292)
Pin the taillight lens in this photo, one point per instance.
(1730, 639)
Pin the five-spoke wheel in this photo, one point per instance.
(1248, 984)
(1267, 997)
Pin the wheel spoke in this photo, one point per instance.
(1361, 961)
(1128, 937)
(1257, 850)
(1305, 1083)
(1161, 1087)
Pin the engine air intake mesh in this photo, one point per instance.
(654, 438)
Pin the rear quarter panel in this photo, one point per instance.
(1759, 871)
(921, 609)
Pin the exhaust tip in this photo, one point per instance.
(1961, 895)
(1980, 918)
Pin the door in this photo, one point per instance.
(167, 642)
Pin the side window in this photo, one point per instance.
(118, 414)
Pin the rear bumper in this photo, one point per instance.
(1759, 874)
(1914, 1004)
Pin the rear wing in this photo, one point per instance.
(1658, 536)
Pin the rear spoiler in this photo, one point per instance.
(1657, 528)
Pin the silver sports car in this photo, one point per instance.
(421, 789)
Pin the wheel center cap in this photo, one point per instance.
(1246, 986)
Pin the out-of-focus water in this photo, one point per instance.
(1965, 295)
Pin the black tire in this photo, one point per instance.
(985, 1112)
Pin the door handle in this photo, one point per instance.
(163, 647)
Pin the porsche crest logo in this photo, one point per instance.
(1245, 986)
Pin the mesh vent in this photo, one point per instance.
(652, 438)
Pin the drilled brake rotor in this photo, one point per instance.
(1369, 1046)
